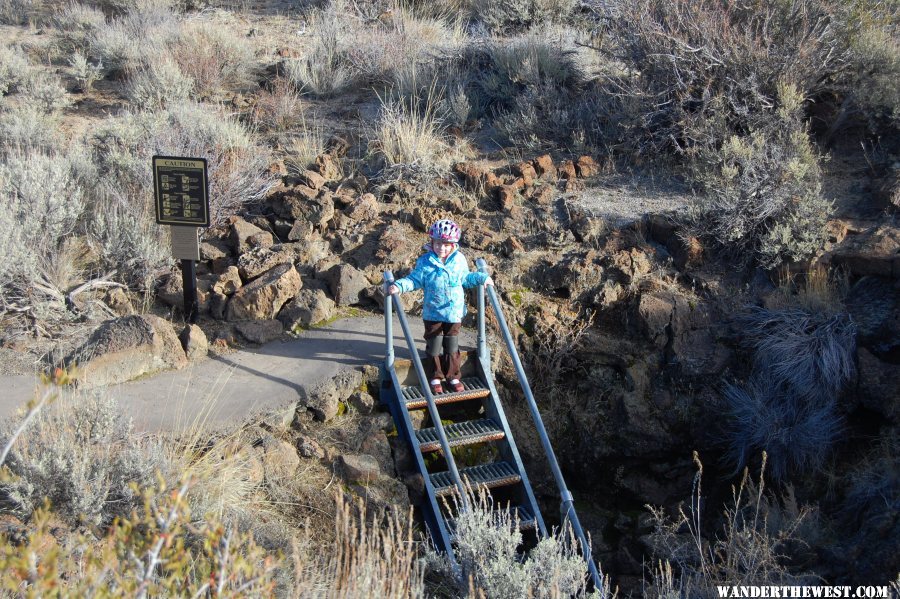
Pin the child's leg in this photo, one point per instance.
(433, 367)
(451, 355)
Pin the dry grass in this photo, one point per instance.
(372, 558)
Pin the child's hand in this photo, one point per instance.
(489, 281)
(393, 290)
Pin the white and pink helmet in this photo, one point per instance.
(445, 230)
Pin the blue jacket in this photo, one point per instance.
(443, 283)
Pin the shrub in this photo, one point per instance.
(753, 548)
(81, 455)
(215, 58)
(44, 91)
(28, 128)
(157, 84)
(487, 542)
(20, 12)
(78, 23)
(115, 46)
(692, 64)
(157, 550)
(504, 16)
(763, 189)
(84, 72)
(279, 108)
(42, 202)
(14, 68)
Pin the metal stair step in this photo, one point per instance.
(498, 474)
(461, 433)
(522, 513)
(474, 389)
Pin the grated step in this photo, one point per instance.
(522, 513)
(460, 433)
(474, 388)
(498, 474)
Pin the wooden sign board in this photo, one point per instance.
(185, 243)
(181, 187)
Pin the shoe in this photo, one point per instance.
(456, 386)
(436, 387)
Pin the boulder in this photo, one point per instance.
(587, 167)
(322, 399)
(260, 331)
(264, 297)
(279, 458)
(311, 179)
(398, 243)
(874, 252)
(329, 166)
(312, 305)
(194, 342)
(507, 195)
(118, 301)
(359, 468)
(567, 170)
(308, 448)
(241, 232)
(544, 167)
(263, 259)
(526, 172)
(362, 402)
(363, 209)
(347, 284)
(214, 249)
(228, 282)
(125, 348)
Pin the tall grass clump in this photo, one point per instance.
(788, 407)
(410, 136)
(325, 70)
(374, 556)
(753, 548)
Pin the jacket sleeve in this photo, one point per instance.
(470, 279)
(413, 280)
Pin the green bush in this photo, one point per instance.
(157, 84)
(44, 91)
(77, 24)
(14, 68)
(762, 190)
(41, 204)
(27, 127)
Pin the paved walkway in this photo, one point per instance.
(219, 390)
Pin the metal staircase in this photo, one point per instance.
(479, 424)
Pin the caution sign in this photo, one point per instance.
(182, 191)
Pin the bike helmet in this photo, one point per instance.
(445, 230)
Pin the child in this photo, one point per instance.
(443, 272)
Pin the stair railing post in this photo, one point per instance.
(483, 354)
(432, 406)
(567, 505)
(388, 321)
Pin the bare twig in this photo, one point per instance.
(33, 410)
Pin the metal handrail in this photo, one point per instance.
(423, 381)
(568, 502)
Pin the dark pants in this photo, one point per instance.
(445, 364)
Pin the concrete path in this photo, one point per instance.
(227, 389)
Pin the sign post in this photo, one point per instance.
(181, 189)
